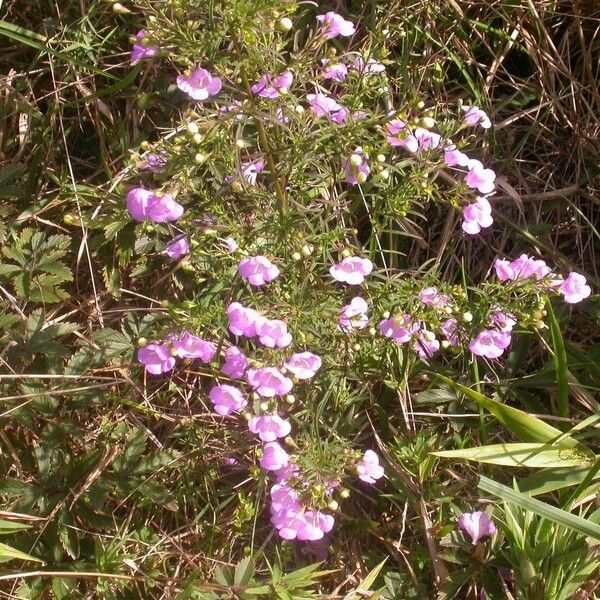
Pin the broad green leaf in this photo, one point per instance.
(560, 364)
(521, 455)
(524, 426)
(550, 480)
(8, 527)
(557, 515)
(7, 553)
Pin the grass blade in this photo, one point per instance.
(560, 363)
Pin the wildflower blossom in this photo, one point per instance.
(334, 25)
(156, 359)
(192, 346)
(226, 399)
(242, 320)
(303, 365)
(476, 116)
(269, 382)
(370, 67)
(476, 525)
(426, 139)
(236, 363)
(140, 51)
(199, 85)
(230, 244)
(477, 215)
(250, 170)
(178, 247)
(335, 71)
(479, 177)
(354, 315)
(323, 105)
(453, 156)
(502, 320)
(521, 268)
(272, 87)
(316, 524)
(154, 161)
(490, 343)
(426, 344)
(257, 270)
(351, 270)
(449, 328)
(574, 288)
(369, 469)
(399, 135)
(272, 333)
(356, 167)
(400, 329)
(431, 296)
(274, 457)
(269, 427)
(143, 204)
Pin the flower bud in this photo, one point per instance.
(290, 398)
(537, 315)
(284, 24)
(264, 406)
(297, 256)
(345, 493)
(386, 314)
(372, 331)
(120, 9)
(236, 186)
(539, 325)
(240, 143)
(346, 253)
(142, 342)
(289, 440)
(199, 158)
(198, 138)
(429, 336)
(187, 266)
(333, 505)
(306, 250)
(428, 122)
(173, 351)
(420, 104)
(445, 344)
(361, 177)
(380, 158)
(356, 347)
(192, 128)
(299, 109)
(467, 317)
(356, 160)
(145, 145)
(385, 174)
(255, 396)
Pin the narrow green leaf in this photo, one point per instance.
(7, 553)
(521, 455)
(367, 582)
(550, 480)
(557, 515)
(560, 363)
(8, 527)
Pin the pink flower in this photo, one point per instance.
(480, 178)
(178, 247)
(432, 297)
(230, 244)
(453, 156)
(143, 204)
(521, 268)
(356, 167)
(155, 161)
(242, 320)
(272, 333)
(274, 457)
(490, 343)
(139, 51)
(400, 329)
(502, 320)
(477, 216)
(191, 346)
(226, 399)
(272, 87)
(354, 315)
(257, 270)
(476, 525)
(333, 25)
(269, 382)
(475, 116)
(427, 139)
(286, 473)
(269, 427)
(303, 365)
(369, 468)
(426, 344)
(449, 328)
(156, 358)
(574, 288)
(316, 525)
(351, 270)
(333, 71)
(236, 363)
(200, 85)
(324, 106)
(399, 135)
(371, 67)
(250, 170)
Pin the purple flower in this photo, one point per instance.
(303, 365)
(139, 51)
(453, 156)
(522, 267)
(199, 85)
(476, 525)
(269, 427)
(272, 333)
(226, 399)
(369, 468)
(426, 139)
(432, 297)
(354, 315)
(156, 358)
(274, 457)
(449, 328)
(155, 161)
(269, 382)
(356, 167)
(143, 204)
(257, 270)
(490, 343)
(502, 320)
(475, 116)
(242, 320)
(272, 87)
(236, 363)
(335, 71)
(371, 67)
(399, 135)
(316, 525)
(230, 244)
(179, 246)
(400, 329)
(351, 270)
(333, 25)
(250, 170)
(325, 106)
(426, 344)
(191, 346)
(480, 178)
(574, 288)
(477, 216)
